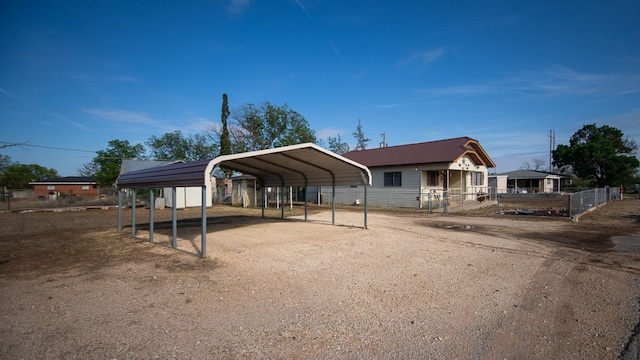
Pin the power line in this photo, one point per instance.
(43, 147)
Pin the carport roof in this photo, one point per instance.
(296, 165)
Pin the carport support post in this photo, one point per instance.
(151, 206)
(133, 213)
(119, 210)
(282, 204)
(365, 206)
(203, 215)
(264, 199)
(306, 202)
(333, 203)
(174, 219)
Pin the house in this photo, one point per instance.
(413, 174)
(525, 181)
(65, 186)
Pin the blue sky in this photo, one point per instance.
(76, 74)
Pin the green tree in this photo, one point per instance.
(601, 154)
(225, 141)
(5, 161)
(337, 145)
(362, 141)
(109, 161)
(267, 126)
(18, 176)
(175, 146)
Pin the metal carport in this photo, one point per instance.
(296, 165)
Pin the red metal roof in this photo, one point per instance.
(440, 151)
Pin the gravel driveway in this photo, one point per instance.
(412, 286)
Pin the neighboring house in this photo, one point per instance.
(406, 175)
(65, 186)
(525, 181)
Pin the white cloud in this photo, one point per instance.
(124, 78)
(335, 50)
(48, 112)
(333, 132)
(554, 80)
(299, 2)
(238, 6)
(127, 116)
(423, 57)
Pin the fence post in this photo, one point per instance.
(445, 198)
(570, 205)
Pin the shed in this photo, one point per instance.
(296, 165)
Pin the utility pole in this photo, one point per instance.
(552, 145)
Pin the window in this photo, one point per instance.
(432, 178)
(85, 187)
(477, 178)
(393, 178)
(51, 187)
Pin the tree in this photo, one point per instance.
(18, 176)
(337, 145)
(89, 169)
(109, 161)
(538, 164)
(5, 161)
(175, 146)
(600, 154)
(225, 141)
(266, 127)
(361, 140)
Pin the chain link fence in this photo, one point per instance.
(21, 200)
(582, 201)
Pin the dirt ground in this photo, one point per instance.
(473, 285)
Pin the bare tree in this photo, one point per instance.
(538, 164)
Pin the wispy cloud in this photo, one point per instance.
(125, 78)
(559, 79)
(423, 57)
(325, 133)
(554, 80)
(299, 2)
(335, 51)
(48, 112)
(126, 116)
(238, 6)
(80, 76)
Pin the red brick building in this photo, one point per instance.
(68, 186)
